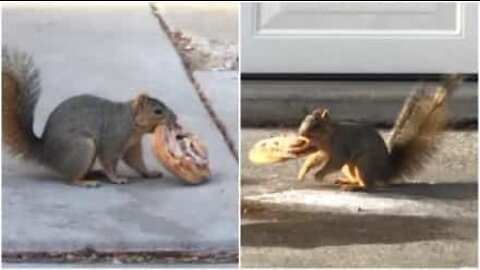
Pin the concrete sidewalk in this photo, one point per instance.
(221, 90)
(113, 52)
(206, 35)
(429, 221)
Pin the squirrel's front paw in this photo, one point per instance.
(154, 174)
(301, 176)
(119, 180)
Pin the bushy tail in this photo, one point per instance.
(20, 92)
(415, 133)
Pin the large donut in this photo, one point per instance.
(181, 153)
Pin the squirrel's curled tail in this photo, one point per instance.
(20, 92)
(415, 133)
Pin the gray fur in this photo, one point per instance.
(108, 124)
(81, 128)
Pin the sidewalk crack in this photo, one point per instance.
(201, 95)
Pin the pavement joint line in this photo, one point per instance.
(203, 98)
(90, 256)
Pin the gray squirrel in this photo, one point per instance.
(80, 130)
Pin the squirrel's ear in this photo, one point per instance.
(322, 113)
(139, 101)
(325, 114)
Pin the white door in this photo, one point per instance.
(374, 37)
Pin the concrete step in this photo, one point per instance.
(278, 103)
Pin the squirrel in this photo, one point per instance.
(365, 159)
(79, 130)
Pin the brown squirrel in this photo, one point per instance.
(360, 152)
(79, 130)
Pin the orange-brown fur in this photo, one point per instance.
(363, 156)
(11, 129)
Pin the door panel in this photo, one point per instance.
(359, 37)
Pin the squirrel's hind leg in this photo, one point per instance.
(356, 179)
(77, 159)
(349, 171)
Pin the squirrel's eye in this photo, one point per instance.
(157, 111)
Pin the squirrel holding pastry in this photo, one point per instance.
(80, 130)
(359, 151)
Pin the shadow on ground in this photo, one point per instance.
(299, 229)
(448, 191)
(445, 191)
